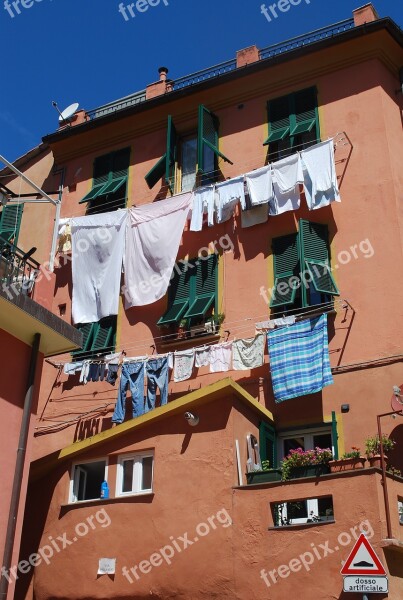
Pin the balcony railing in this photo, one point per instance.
(18, 270)
(228, 66)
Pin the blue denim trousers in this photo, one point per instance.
(157, 376)
(132, 377)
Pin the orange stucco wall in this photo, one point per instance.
(13, 383)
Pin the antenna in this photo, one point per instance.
(67, 113)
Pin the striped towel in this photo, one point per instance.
(299, 359)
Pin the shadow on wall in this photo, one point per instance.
(395, 456)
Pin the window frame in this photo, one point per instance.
(72, 478)
(137, 457)
(312, 506)
(309, 433)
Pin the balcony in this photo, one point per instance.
(18, 270)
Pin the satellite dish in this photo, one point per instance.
(68, 112)
(397, 398)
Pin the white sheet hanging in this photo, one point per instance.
(203, 202)
(260, 185)
(97, 253)
(287, 177)
(153, 236)
(228, 194)
(320, 180)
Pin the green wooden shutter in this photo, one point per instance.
(315, 256)
(279, 119)
(10, 222)
(178, 295)
(87, 329)
(205, 287)
(104, 335)
(268, 444)
(286, 265)
(165, 166)
(207, 137)
(109, 174)
(335, 436)
(304, 115)
(101, 170)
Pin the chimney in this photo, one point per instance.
(159, 88)
(247, 56)
(365, 14)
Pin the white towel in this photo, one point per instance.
(228, 194)
(202, 357)
(203, 202)
(260, 185)
(287, 175)
(320, 180)
(98, 246)
(248, 354)
(183, 366)
(220, 357)
(273, 323)
(153, 237)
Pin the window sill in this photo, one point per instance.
(301, 525)
(98, 501)
(190, 342)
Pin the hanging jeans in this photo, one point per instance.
(157, 374)
(112, 374)
(132, 377)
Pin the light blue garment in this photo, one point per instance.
(132, 377)
(157, 375)
(299, 359)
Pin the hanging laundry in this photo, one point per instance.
(320, 180)
(228, 194)
(183, 365)
(220, 357)
(98, 244)
(254, 216)
(84, 371)
(112, 359)
(248, 354)
(203, 203)
(260, 185)
(72, 368)
(64, 233)
(299, 359)
(202, 357)
(113, 372)
(157, 376)
(132, 378)
(287, 175)
(273, 323)
(153, 236)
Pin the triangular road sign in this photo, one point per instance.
(363, 560)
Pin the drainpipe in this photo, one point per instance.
(19, 469)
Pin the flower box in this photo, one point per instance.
(346, 464)
(375, 461)
(309, 471)
(263, 476)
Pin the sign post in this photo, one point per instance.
(363, 571)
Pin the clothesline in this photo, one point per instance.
(247, 166)
(237, 326)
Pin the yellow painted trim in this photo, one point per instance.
(195, 398)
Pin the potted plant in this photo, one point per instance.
(182, 329)
(373, 449)
(349, 461)
(213, 324)
(306, 463)
(265, 475)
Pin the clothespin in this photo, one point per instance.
(227, 331)
(153, 348)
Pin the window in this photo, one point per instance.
(10, 223)
(192, 294)
(86, 480)
(297, 512)
(302, 271)
(400, 510)
(135, 474)
(98, 338)
(193, 156)
(293, 123)
(308, 439)
(268, 444)
(109, 187)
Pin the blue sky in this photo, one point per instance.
(85, 51)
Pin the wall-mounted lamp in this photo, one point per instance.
(192, 419)
(345, 408)
(3, 199)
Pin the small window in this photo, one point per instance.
(86, 480)
(306, 440)
(400, 510)
(298, 512)
(98, 338)
(135, 474)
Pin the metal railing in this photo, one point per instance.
(228, 66)
(18, 271)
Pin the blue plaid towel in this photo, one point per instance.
(299, 359)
